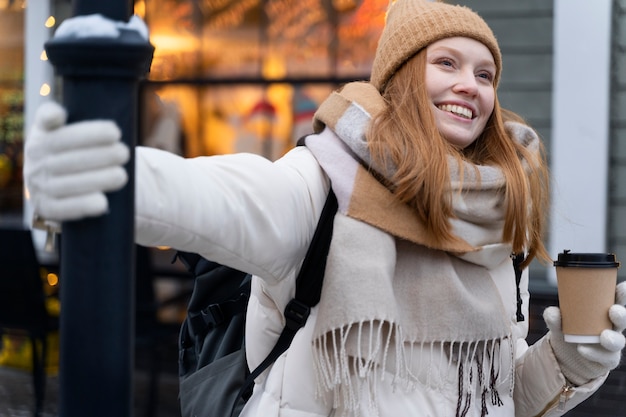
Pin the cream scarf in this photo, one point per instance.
(389, 289)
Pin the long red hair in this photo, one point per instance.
(406, 137)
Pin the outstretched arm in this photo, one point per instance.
(241, 210)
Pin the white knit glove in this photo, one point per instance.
(69, 167)
(580, 363)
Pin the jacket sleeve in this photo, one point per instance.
(540, 387)
(240, 210)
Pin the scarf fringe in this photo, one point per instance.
(354, 378)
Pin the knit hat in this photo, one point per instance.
(414, 24)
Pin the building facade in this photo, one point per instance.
(246, 75)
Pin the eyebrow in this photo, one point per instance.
(454, 51)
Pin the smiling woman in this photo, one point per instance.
(422, 311)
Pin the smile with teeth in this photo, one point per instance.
(458, 110)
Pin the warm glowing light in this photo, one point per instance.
(171, 42)
(344, 5)
(53, 279)
(163, 248)
(44, 90)
(50, 22)
(43, 56)
(140, 8)
(274, 67)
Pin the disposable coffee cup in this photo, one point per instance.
(586, 288)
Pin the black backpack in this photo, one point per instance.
(214, 378)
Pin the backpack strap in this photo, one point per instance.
(214, 314)
(518, 258)
(308, 290)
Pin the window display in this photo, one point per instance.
(218, 119)
(247, 75)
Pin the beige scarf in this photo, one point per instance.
(389, 289)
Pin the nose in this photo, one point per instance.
(466, 83)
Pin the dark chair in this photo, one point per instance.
(156, 341)
(23, 302)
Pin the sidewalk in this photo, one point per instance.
(17, 399)
(16, 394)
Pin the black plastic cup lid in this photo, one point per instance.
(586, 260)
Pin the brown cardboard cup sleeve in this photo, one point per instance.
(586, 288)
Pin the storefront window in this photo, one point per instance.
(218, 119)
(227, 75)
(11, 104)
(246, 75)
(268, 38)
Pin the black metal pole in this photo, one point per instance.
(119, 10)
(100, 80)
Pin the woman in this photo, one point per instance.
(437, 186)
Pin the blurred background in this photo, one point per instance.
(247, 75)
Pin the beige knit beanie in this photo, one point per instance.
(414, 24)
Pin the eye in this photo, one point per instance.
(446, 62)
(486, 75)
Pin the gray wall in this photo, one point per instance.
(524, 32)
(617, 171)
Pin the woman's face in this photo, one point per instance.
(459, 80)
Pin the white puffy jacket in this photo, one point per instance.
(259, 216)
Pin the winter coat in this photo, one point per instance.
(259, 216)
